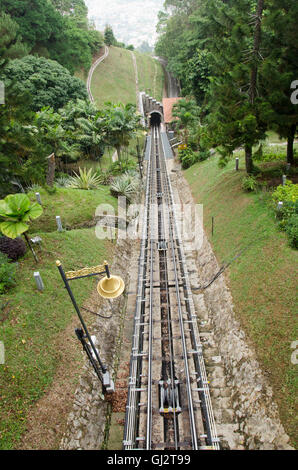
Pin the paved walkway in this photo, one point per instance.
(92, 69)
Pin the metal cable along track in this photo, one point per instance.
(169, 405)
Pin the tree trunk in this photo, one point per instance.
(256, 52)
(248, 159)
(118, 148)
(254, 76)
(51, 170)
(290, 147)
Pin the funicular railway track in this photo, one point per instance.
(169, 405)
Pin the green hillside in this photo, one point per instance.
(262, 280)
(114, 79)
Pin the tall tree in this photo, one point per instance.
(11, 46)
(279, 69)
(46, 81)
(109, 37)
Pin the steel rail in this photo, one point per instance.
(158, 181)
(163, 237)
(150, 321)
(131, 407)
(180, 315)
(208, 415)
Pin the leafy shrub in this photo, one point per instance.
(187, 157)
(84, 180)
(62, 181)
(125, 185)
(122, 166)
(291, 228)
(7, 274)
(288, 213)
(105, 177)
(14, 249)
(249, 183)
(286, 193)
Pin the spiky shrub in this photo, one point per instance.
(62, 181)
(126, 185)
(105, 177)
(7, 274)
(14, 249)
(84, 180)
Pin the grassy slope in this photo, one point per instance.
(33, 322)
(74, 207)
(114, 78)
(151, 76)
(262, 280)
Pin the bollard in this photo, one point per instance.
(279, 205)
(237, 164)
(59, 223)
(38, 198)
(38, 280)
(284, 179)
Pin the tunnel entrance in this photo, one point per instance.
(155, 119)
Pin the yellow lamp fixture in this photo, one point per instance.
(110, 287)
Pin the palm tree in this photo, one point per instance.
(118, 122)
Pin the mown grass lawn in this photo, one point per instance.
(151, 75)
(114, 79)
(75, 207)
(263, 280)
(31, 321)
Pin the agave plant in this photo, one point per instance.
(62, 181)
(16, 210)
(84, 180)
(125, 185)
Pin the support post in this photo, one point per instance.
(70, 293)
(38, 198)
(39, 281)
(59, 223)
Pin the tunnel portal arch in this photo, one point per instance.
(155, 118)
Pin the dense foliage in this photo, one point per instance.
(237, 59)
(7, 273)
(45, 82)
(55, 29)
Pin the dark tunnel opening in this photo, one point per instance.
(155, 119)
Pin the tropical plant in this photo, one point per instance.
(16, 210)
(118, 123)
(119, 167)
(89, 135)
(84, 180)
(58, 140)
(126, 185)
(62, 181)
